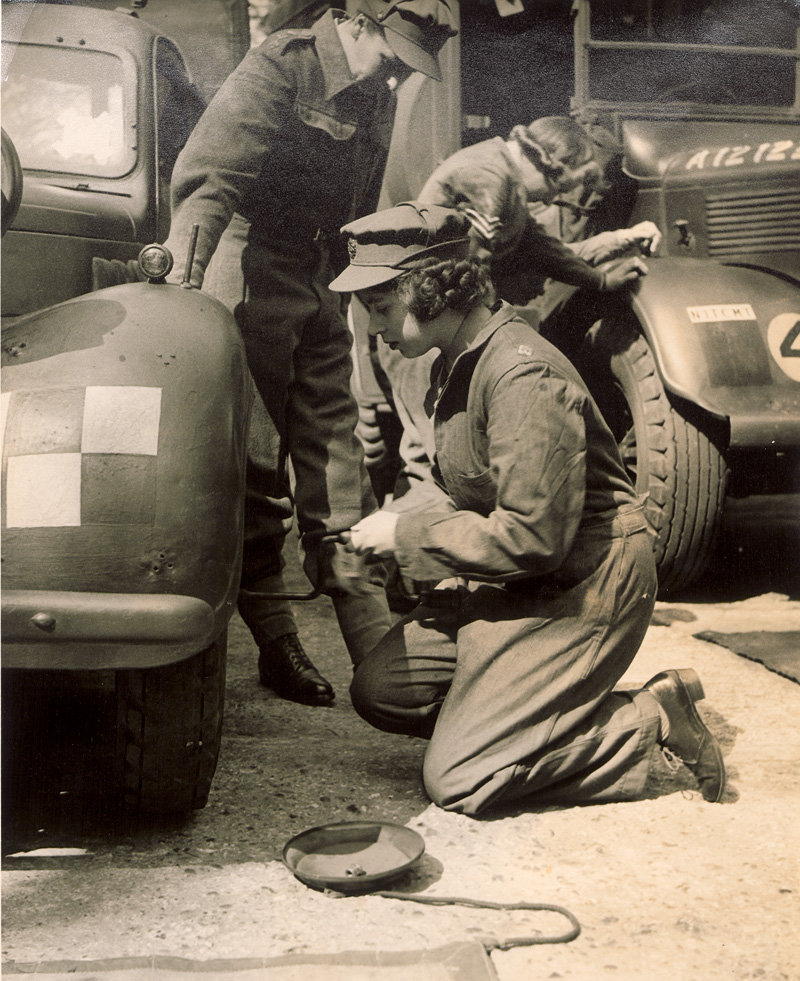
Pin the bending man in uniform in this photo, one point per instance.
(511, 673)
(291, 147)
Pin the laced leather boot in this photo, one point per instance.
(284, 666)
(689, 740)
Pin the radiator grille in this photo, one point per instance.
(750, 221)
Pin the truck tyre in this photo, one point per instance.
(669, 450)
(169, 728)
(11, 183)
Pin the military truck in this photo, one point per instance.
(124, 408)
(705, 359)
(698, 370)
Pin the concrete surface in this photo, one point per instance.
(667, 888)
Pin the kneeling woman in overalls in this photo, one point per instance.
(539, 544)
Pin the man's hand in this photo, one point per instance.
(368, 431)
(622, 273)
(375, 534)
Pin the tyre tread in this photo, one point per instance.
(169, 730)
(686, 474)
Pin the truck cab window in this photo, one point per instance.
(65, 111)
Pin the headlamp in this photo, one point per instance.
(155, 261)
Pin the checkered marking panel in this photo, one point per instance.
(80, 456)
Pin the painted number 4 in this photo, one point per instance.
(788, 350)
(783, 336)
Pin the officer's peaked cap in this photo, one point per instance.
(384, 245)
(414, 29)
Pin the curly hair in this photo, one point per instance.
(435, 285)
(553, 143)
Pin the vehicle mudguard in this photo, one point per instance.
(124, 423)
(728, 339)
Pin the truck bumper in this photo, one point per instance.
(90, 631)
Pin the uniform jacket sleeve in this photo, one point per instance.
(483, 187)
(537, 465)
(225, 153)
(551, 257)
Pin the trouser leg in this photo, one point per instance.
(267, 520)
(268, 504)
(332, 488)
(299, 351)
(519, 698)
(401, 685)
(363, 620)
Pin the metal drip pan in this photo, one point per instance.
(353, 855)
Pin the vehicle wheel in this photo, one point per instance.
(669, 450)
(11, 183)
(169, 727)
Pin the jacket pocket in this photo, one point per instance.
(473, 492)
(315, 117)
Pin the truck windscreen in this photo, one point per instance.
(64, 109)
(723, 54)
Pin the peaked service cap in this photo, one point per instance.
(414, 29)
(382, 245)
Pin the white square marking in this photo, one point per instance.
(43, 491)
(5, 399)
(121, 419)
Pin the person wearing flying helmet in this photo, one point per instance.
(538, 543)
(291, 147)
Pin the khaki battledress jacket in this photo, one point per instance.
(291, 142)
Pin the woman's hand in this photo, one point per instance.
(645, 235)
(605, 246)
(620, 274)
(375, 534)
